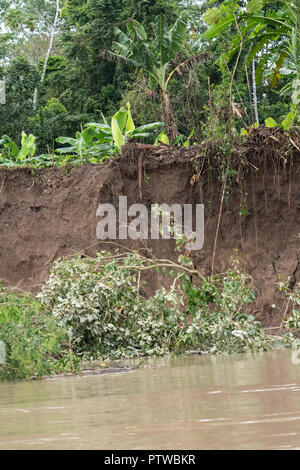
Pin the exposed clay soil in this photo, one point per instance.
(50, 213)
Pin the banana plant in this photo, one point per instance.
(273, 36)
(134, 49)
(122, 128)
(104, 140)
(80, 145)
(16, 154)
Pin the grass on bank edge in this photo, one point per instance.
(34, 345)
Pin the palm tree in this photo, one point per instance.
(155, 58)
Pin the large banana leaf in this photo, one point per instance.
(119, 140)
(273, 21)
(27, 146)
(9, 144)
(66, 140)
(138, 29)
(221, 26)
(99, 125)
(88, 134)
(162, 40)
(121, 117)
(145, 128)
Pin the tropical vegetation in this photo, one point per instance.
(79, 80)
(206, 70)
(93, 309)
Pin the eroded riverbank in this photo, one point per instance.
(51, 213)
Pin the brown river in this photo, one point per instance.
(195, 402)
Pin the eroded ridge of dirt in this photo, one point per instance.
(50, 213)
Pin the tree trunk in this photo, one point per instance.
(48, 53)
(254, 92)
(168, 117)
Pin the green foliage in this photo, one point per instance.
(35, 346)
(104, 140)
(293, 296)
(221, 322)
(270, 122)
(78, 83)
(134, 49)
(75, 75)
(157, 58)
(93, 307)
(50, 121)
(212, 16)
(225, 334)
(287, 123)
(277, 29)
(12, 153)
(219, 19)
(145, 103)
(162, 138)
(290, 118)
(85, 147)
(95, 144)
(88, 28)
(99, 302)
(20, 81)
(253, 6)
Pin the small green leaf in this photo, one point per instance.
(129, 124)
(270, 122)
(163, 138)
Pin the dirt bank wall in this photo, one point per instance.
(49, 213)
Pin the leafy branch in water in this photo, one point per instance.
(100, 302)
(95, 308)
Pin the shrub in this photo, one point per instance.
(34, 345)
(98, 301)
(293, 296)
(222, 322)
(93, 307)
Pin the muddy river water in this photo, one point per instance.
(195, 402)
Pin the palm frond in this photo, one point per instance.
(162, 40)
(114, 57)
(177, 35)
(137, 28)
(192, 62)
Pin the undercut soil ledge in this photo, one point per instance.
(50, 213)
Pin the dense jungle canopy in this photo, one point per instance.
(235, 64)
